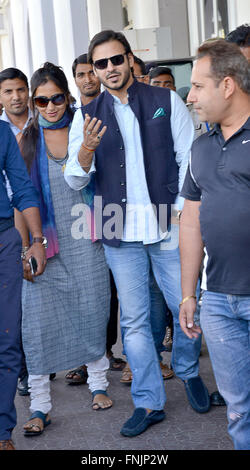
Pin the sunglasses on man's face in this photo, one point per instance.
(43, 101)
(102, 64)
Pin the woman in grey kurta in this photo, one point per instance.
(65, 310)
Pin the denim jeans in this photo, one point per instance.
(159, 316)
(225, 321)
(130, 265)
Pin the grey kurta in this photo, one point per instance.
(66, 309)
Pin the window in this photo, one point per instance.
(213, 18)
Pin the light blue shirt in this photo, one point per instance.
(141, 223)
(15, 129)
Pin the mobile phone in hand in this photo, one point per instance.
(33, 265)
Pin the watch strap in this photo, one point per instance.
(38, 239)
(41, 240)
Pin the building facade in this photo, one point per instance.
(35, 31)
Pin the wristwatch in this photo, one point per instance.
(42, 240)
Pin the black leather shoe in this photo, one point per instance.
(217, 399)
(22, 386)
(197, 394)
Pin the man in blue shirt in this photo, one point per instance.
(216, 216)
(14, 97)
(25, 199)
(138, 159)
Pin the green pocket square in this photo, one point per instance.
(159, 112)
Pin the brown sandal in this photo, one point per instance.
(167, 373)
(127, 375)
(7, 444)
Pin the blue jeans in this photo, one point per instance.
(159, 315)
(130, 265)
(225, 321)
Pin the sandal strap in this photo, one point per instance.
(40, 415)
(99, 392)
(32, 426)
(80, 371)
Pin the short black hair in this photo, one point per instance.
(150, 66)
(105, 36)
(161, 70)
(81, 59)
(11, 73)
(240, 35)
(141, 64)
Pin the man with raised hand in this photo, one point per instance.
(139, 156)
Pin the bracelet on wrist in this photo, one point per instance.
(86, 167)
(24, 252)
(87, 148)
(187, 298)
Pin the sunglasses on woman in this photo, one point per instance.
(102, 64)
(43, 101)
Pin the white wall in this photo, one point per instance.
(143, 13)
(37, 32)
(243, 11)
(94, 17)
(20, 31)
(37, 38)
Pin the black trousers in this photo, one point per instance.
(113, 319)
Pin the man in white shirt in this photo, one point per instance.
(139, 159)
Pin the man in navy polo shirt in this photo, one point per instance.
(139, 159)
(25, 199)
(216, 216)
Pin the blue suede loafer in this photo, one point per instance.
(140, 421)
(197, 394)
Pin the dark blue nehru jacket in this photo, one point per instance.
(161, 168)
